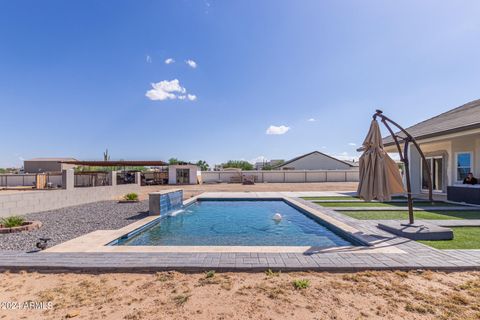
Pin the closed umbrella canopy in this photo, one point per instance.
(379, 174)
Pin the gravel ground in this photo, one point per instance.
(68, 223)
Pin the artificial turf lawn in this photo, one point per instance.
(331, 198)
(383, 204)
(340, 198)
(403, 215)
(463, 238)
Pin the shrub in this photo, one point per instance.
(13, 221)
(271, 273)
(209, 274)
(301, 283)
(131, 196)
(181, 299)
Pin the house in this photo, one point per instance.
(451, 144)
(40, 165)
(315, 160)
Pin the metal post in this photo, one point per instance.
(409, 187)
(404, 158)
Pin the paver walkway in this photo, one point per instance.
(414, 256)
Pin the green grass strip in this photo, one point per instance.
(340, 198)
(383, 204)
(403, 215)
(463, 238)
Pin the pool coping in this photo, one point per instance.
(98, 241)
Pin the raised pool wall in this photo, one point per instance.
(162, 202)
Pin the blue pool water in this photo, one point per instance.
(236, 223)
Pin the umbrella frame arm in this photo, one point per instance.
(404, 158)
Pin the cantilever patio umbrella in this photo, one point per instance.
(379, 174)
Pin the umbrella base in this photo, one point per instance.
(417, 231)
(413, 225)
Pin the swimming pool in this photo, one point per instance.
(235, 223)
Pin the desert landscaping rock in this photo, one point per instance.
(67, 223)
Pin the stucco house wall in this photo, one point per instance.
(446, 148)
(172, 173)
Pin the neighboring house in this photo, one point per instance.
(315, 161)
(353, 163)
(451, 144)
(39, 165)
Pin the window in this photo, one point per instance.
(436, 168)
(464, 165)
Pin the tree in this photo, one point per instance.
(267, 167)
(173, 161)
(203, 165)
(240, 164)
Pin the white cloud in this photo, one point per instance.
(189, 96)
(148, 59)
(277, 130)
(191, 63)
(165, 90)
(311, 120)
(169, 61)
(207, 7)
(353, 144)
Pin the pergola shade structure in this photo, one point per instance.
(120, 163)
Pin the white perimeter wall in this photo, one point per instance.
(284, 176)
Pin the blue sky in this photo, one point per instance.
(74, 75)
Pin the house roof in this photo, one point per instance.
(462, 118)
(352, 163)
(120, 163)
(52, 159)
(307, 154)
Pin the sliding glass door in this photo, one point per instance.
(437, 168)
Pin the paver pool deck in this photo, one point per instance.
(385, 251)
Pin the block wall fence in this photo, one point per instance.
(23, 202)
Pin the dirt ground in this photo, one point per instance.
(173, 295)
(193, 190)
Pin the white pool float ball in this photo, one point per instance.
(277, 217)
